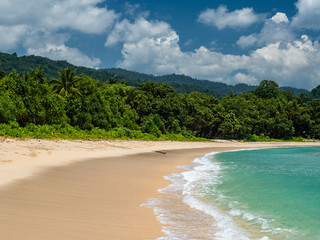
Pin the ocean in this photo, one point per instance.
(244, 195)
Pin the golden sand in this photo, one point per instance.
(90, 189)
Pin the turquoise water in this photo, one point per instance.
(268, 193)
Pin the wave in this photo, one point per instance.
(186, 212)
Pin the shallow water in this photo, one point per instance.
(252, 194)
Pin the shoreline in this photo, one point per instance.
(92, 190)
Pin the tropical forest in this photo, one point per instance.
(73, 106)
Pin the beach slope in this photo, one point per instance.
(53, 189)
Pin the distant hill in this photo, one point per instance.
(181, 83)
(217, 87)
(221, 89)
(315, 93)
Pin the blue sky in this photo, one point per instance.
(229, 41)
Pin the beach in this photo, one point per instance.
(60, 189)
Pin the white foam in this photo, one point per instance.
(227, 228)
(191, 187)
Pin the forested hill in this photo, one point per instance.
(180, 83)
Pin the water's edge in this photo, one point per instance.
(186, 211)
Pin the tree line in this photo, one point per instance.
(156, 109)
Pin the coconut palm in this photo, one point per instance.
(112, 80)
(66, 84)
(132, 97)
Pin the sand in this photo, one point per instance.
(91, 189)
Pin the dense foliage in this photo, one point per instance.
(82, 107)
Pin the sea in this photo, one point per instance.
(258, 194)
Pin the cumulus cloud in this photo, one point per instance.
(289, 63)
(280, 17)
(163, 55)
(248, 41)
(155, 54)
(222, 18)
(275, 29)
(125, 31)
(58, 52)
(83, 15)
(22, 26)
(53, 46)
(308, 14)
(11, 36)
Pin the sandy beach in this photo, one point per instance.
(59, 189)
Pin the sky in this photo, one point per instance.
(243, 41)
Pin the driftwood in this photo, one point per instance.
(161, 152)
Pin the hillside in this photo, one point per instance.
(221, 89)
(181, 83)
(315, 93)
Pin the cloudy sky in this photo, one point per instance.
(228, 41)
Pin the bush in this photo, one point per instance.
(7, 110)
(255, 138)
(149, 126)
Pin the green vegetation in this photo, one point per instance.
(66, 84)
(65, 131)
(180, 83)
(80, 107)
(315, 93)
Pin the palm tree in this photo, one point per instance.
(132, 97)
(112, 80)
(66, 84)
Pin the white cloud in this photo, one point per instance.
(275, 29)
(39, 38)
(308, 14)
(132, 10)
(293, 64)
(11, 36)
(280, 17)
(126, 31)
(53, 46)
(154, 54)
(245, 78)
(62, 52)
(163, 55)
(38, 24)
(83, 15)
(222, 18)
(248, 41)
(288, 63)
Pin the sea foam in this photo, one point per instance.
(186, 213)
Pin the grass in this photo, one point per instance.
(263, 138)
(65, 131)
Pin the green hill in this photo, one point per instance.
(315, 93)
(181, 83)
